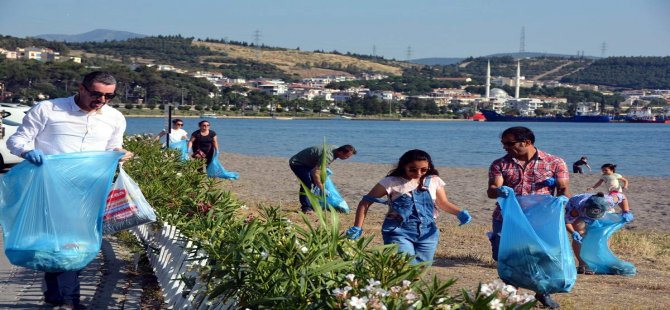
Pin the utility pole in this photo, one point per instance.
(603, 49)
(257, 41)
(409, 53)
(522, 41)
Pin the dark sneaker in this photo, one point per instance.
(53, 303)
(547, 301)
(76, 306)
(307, 210)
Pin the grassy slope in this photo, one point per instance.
(288, 59)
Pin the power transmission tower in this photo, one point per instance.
(257, 41)
(522, 41)
(603, 49)
(409, 53)
(374, 51)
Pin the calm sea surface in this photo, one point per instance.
(636, 149)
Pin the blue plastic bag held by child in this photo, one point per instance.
(216, 170)
(51, 215)
(535, 251)
(126, 206)
(182, 147)
(595, 251)
(334, 198)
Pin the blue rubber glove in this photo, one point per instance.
(317, 191)
(464, 217)
(35, 156)
(627, 216)
(502, 192)
(550, 182)
(354, 232)
(577, 237)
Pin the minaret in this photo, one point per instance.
(488, 80)
(518, 79)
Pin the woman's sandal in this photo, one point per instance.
(585, 270)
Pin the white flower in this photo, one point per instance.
(350, 277)
(497, 285)
(381, 292)
(358, 303)
(179, 174)
(406, 283)
(495, 304)
(304, 249)
(371, 285)
(411, 297)
(264, 254)
(395, 289)
(508, 290)
(486, 290)
(338, 292)
(244, 207)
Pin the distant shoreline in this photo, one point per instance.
(302, 118)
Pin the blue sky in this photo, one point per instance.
(430, 28)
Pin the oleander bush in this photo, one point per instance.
(266, 261)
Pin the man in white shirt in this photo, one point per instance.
(83, 122)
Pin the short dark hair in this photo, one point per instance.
(176, 120)
(347, 148)
(202, 122)
(520, 133)
(610, 166)
(103, 77)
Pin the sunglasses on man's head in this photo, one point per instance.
(98, 95)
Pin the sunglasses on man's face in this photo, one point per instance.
(179, 124)
(98, 95)
(509, 143)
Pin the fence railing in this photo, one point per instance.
(175, 260)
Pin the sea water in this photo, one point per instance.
(636, 149)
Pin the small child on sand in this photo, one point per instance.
(611, 179)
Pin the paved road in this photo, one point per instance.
(106, 283)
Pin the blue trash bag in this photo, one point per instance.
(51, 215)
(334, 198)
(595, 249)
(535, 251)
(182, 147)
(216, 170)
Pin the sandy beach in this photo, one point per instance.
(269, 180)
(464, 252)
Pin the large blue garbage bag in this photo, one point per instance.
(216, 170)
(51, 215)
(182, 147)
(535, 251)
(334, 198)
(595, 249)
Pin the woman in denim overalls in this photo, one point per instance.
(413, 189)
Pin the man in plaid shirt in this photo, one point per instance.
(527, 171)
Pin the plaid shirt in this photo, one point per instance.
(528, 180)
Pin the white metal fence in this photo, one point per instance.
(175, 261)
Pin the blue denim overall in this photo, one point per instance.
(415, 232)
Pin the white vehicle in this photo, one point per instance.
(11, 116)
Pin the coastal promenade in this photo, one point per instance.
(106, 283)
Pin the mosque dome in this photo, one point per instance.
(498, 93)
